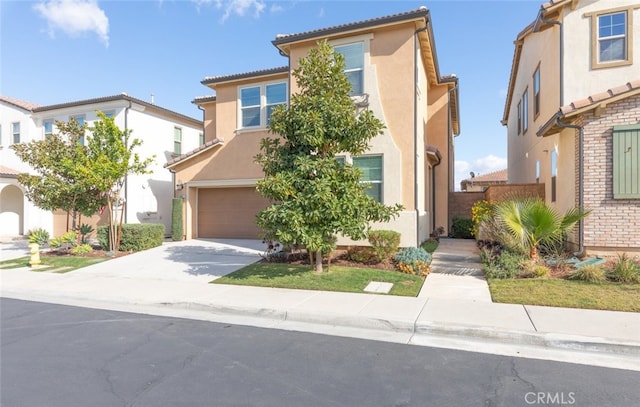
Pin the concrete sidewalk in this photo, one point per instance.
(150, 282)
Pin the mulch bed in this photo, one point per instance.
(94, 253)
(338, 258)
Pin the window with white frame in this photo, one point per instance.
(537, 171)
(554, 173)
(612, 37)
(15, 131)
(371, 168)
(80, 120)
(536, 92)
(110, 113)
(177, 140)
(48, 128)
(200, 138)
(354, 65)
(257, 103)
(525, 111)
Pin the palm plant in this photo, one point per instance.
(532, 222)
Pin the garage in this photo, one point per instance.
(229, 212)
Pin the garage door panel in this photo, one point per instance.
(229, 212)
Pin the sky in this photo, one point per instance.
(57, 51)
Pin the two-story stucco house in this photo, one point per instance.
(573, 116)
(164, 133)
(393, 68)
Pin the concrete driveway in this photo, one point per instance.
(198, 260)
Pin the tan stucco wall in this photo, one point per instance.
(438, 135)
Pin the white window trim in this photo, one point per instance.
(44, 127)
(177, 141)
(348, 159)
(13, 133)
(263, 104)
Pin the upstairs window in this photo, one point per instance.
(536, 92)
(48, 128)
(611, 37)
(15, 130)
(525, 111)
(257, 103)
(80, 120)
(371, 167)
(177, 140)
(519, 117)
(354, 65)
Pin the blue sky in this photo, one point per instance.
(65, 50)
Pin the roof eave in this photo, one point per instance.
(192, 154)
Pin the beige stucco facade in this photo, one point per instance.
(573, 84)
(401, 87)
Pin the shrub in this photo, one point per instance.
(505, 264)
(462, 228)
(533, 270)
(413, 260)
(437, 232)
(65, 241)
(177, 228)
(82, 249)
(364, 255)
(430, 245)
(135, 236)
(85, 232)
(39, 236)
(384, 243)
(592, 274)
(624, 270)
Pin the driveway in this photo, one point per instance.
(198, 260)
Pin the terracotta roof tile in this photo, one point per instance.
(205, 146)
(19, 103)
(496, 176)
(7, 172)
(244, 75)
(601, 96)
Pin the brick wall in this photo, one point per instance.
(614, 224)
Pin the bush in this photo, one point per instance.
(533, 270)
(413, 260)
(430, 245)
(65, 241)
(82, 249)
(624, 270)
(85, 232)
(592, 274)
(502, 264)
(135, 236)
(177, 228)
(384, 243)
(364, 255)
(462, 228)
(39, 236)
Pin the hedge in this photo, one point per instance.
(135, 236)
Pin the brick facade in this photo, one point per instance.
(614, 224)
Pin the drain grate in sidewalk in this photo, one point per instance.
(378, 287)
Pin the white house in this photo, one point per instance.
(164, 134)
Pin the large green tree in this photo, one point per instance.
(314, 196)
(58, 181)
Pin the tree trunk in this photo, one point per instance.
(319, 261)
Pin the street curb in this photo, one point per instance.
(539, 339)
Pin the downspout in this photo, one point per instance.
(541, 19)
(416, 200)
(580, 129)
(126, 177)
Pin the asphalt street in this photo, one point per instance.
(55, 355)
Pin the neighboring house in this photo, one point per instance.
(478, 183)
(164, 133)
(393, 67)
(573, 116)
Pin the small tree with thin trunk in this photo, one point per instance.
(314, 196)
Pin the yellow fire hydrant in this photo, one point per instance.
(34, 248)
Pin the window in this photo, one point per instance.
(80, 120)
(48, 128)
(341, 160)
(536, 92)
(354, 65)
(626, 162)
(177, 140)
(611, 39)
(538, 171)
(15, 130)
(109, 114)
(371, 167)
(520, 117)
(525, 111)
(201, 138)
(257, 103)
(554, 172)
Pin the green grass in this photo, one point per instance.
(565, 293)
(53, 263)
(345, 279)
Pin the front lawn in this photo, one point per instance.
(59, 264)
(566, 293)
(345, 279)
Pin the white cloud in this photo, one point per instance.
(240, 7)
(276, 8)
(74, 17)
(480, 166)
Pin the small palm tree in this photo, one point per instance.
(531, 222)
